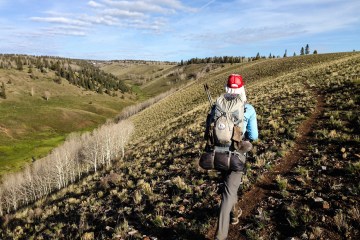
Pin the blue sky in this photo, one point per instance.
(173, 30)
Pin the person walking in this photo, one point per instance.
(229, 212)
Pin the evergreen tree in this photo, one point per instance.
(257, 56)
(62, 72)
(285, 54)
(294, 55)
(46, 63)
(302, 51)
(19, 64)
(315, 51)
(91, 85)
(307, 49)
(100, 90)
(2, 91)
(38, 64)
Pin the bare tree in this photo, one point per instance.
(124, 129)
(1, 201)
(64, 165)
(29, 183)
(72, 149)
(11, 192)
(91, 149)
(59, 168)
(43, 176)
(108, 140)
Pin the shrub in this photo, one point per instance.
(46, 95)
(281, 183)
(3, 91)
(57, 80)
(340, 221)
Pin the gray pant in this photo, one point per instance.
(232, 181)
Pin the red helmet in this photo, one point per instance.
(235, 81)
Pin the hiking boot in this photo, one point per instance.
(234, 215)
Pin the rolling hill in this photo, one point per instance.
(41, 108)
(150, 79)
(302, 175)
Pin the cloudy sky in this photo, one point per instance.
(173, 30)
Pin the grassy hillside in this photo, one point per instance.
(193, 96)
(137, 72)
(159, 191)
(30, 125)
(153, 78)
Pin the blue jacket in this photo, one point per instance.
(250, 127)
(250, 123)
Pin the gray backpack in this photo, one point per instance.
(229, 112)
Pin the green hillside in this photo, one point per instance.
(31, 126)
(302, 175)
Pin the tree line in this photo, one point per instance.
(65, 165)
(231, 59)
(221, 59)
(78, 72)
(148, 62)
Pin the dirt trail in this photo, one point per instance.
(249, 200)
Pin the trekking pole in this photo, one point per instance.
(206, 87)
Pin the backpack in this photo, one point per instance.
(225, 149)
(228, 112)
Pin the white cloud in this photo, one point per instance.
(104, 20)
(46, 32)
(67, 32)
(149, 6)
(123, 13)
(139, 6)
(155, 26)
(95, 4)
(171, 3)
(62, 20)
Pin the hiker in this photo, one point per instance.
(244, 131)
